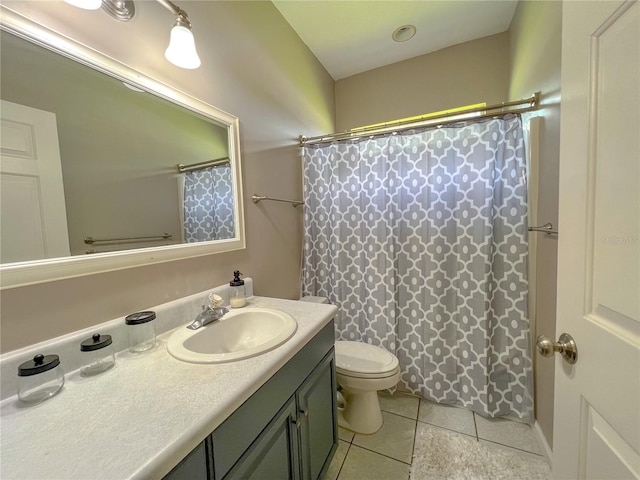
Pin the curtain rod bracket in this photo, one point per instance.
(546, 228)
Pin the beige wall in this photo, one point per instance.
(465, 74)
(535, 66)
(255, 67)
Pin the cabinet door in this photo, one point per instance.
(318, 428)
(274, 454)
(193, 467)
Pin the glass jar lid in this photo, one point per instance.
(96, 342)
(40, 363)
(139, 317)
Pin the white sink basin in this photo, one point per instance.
(240, 334)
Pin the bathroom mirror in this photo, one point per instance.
(116, 198)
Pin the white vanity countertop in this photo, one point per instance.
(139, 419)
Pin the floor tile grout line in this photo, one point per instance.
(405, 416)
(343, 462)
(475, 426)
(415, 434)
(511, 446)
(401, 416)
(450, 430)
(353, 435)
(398, 414)
(383, 455)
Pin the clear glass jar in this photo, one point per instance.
(237, 294)
(141, 331)
(98, 355)
(40, 378)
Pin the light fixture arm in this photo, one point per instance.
(181, 16)
(173, 8)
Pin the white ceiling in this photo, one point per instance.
(350, 37)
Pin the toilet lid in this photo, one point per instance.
(358, 357)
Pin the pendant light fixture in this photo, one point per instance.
(182, 47)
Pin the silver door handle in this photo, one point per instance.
(565, 345)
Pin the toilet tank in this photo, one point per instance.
(312, 299)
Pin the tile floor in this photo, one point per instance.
(388, 453)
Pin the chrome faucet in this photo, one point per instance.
(210, 313)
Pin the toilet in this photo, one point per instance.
(362, 370)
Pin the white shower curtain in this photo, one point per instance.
(420, 239)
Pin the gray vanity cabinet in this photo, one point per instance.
(274, 453)
(300, 440)
(317, 427)
(286, 430)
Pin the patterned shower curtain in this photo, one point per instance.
(208, 204)
(420, 239)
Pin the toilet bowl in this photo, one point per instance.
(362, 370)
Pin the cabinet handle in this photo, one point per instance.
(302, 415)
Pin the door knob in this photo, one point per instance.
(565, 345)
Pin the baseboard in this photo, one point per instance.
(548, 453)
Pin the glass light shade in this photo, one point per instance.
(85, 4)
(182, 48)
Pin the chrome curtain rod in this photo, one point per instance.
(118, 241)
(199, 166)
(259, 198)
(519, 106)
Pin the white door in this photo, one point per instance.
(32, 207)
(596, 431)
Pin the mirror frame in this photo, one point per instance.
(46, 270)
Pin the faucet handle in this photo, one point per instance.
(215, 301)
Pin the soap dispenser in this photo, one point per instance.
(238, 295)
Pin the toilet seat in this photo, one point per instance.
(361, 360)
(365, 376)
